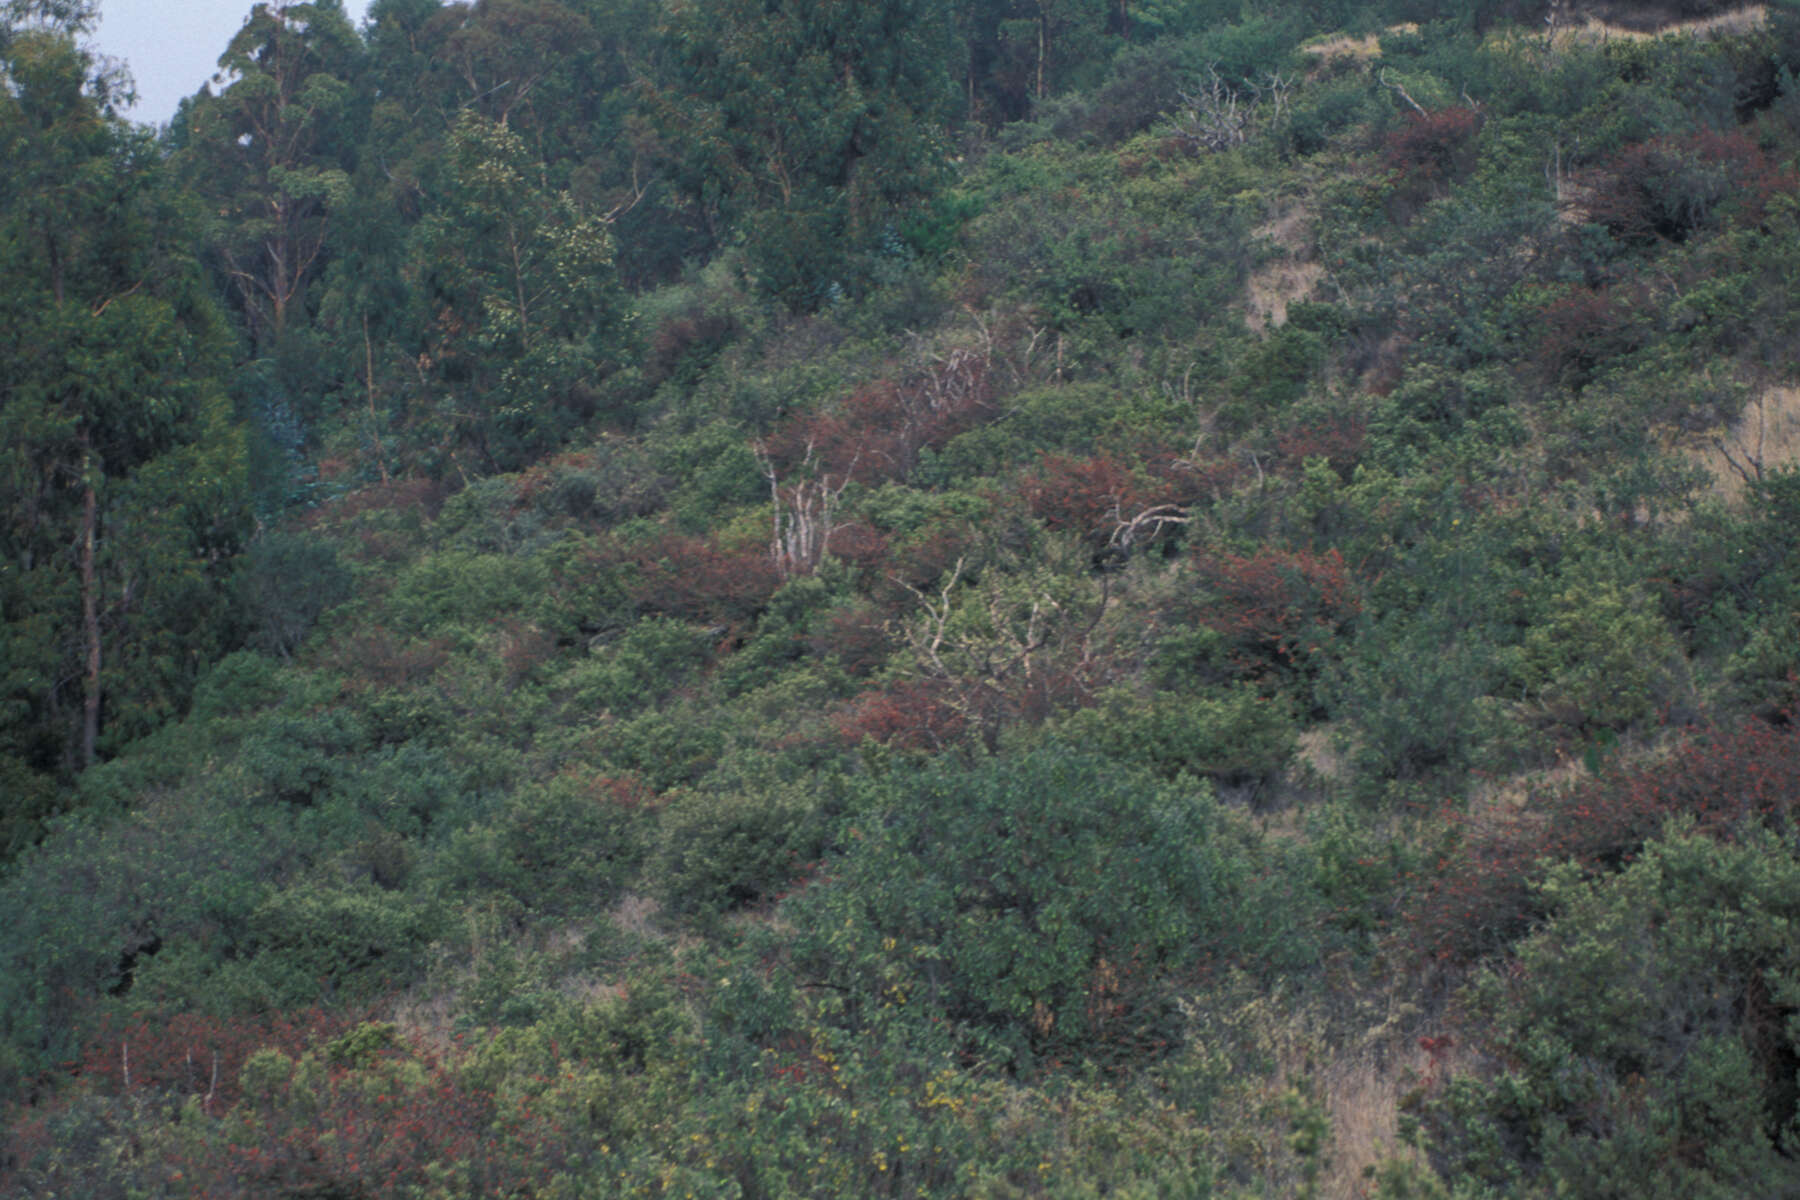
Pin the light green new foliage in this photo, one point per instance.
(1601, 657)
(519, 284)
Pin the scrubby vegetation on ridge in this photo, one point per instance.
(1080, 599)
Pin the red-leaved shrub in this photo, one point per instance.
(381, 1115)
(1670, 187)
(913, 714)
(1339, 441)
(1434, 147)
(875, 434)
(858, 638)
(699, 579)
(1584, 327)
(194, 1054)
(1091, 496)
(1480, 896)
(1277, 608)
(381, 659)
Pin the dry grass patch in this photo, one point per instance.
(1727, 24)
(1766, 436)
(1337, 48)
(1292, 277)
(1362, 1099)
(1360, 1080)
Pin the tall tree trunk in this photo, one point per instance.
(1043, 37)
(518, 272)
(90, 605)
(54, 253)
(369, 379)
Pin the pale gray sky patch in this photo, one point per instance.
(173, 46)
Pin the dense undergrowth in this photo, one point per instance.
(1240, 640)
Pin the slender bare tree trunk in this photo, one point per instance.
(1043, 32)
(90, 605)
(369, 379)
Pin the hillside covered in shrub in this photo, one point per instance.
(991, 598)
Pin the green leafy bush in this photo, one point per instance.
(1044, 902)
(1646, 1031)
(457, 586)
(318, 942)
(720, 850)
(1599, 658)
(651, 659)
(1237, 737)
(285, 583)
(561, 847)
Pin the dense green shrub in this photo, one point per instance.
(92, 912)
(710, 469)
(285, 583)
(678, 744)
(1646, 1032)
(295, 758)
(318, 942)
(782, 634)
(1234, 737)
(237, 686)
(1046, 902)
(720, 850)
(651, 659)
(1598, 658)
(457, 586)
(561, 847)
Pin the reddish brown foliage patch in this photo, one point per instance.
(1277, 607)
(860, 544)
(876, 433)
(395, 1124)
(1586, 326)
(523, 648)
(1432, 148)
(1669, 187)
(1189, 479)
(193, 1054)
(1088, 496)
(857, 637)
(684, 339)
(922, 560)
(380, 658)
(629, 792)
(1339, 441)
(425, 496)
(1480, 895)
(910, 715)
(700, 579)
(534, 480)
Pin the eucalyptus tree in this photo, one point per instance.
(522, 301)
(121, 472)
(271, 152)
(808, 125)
